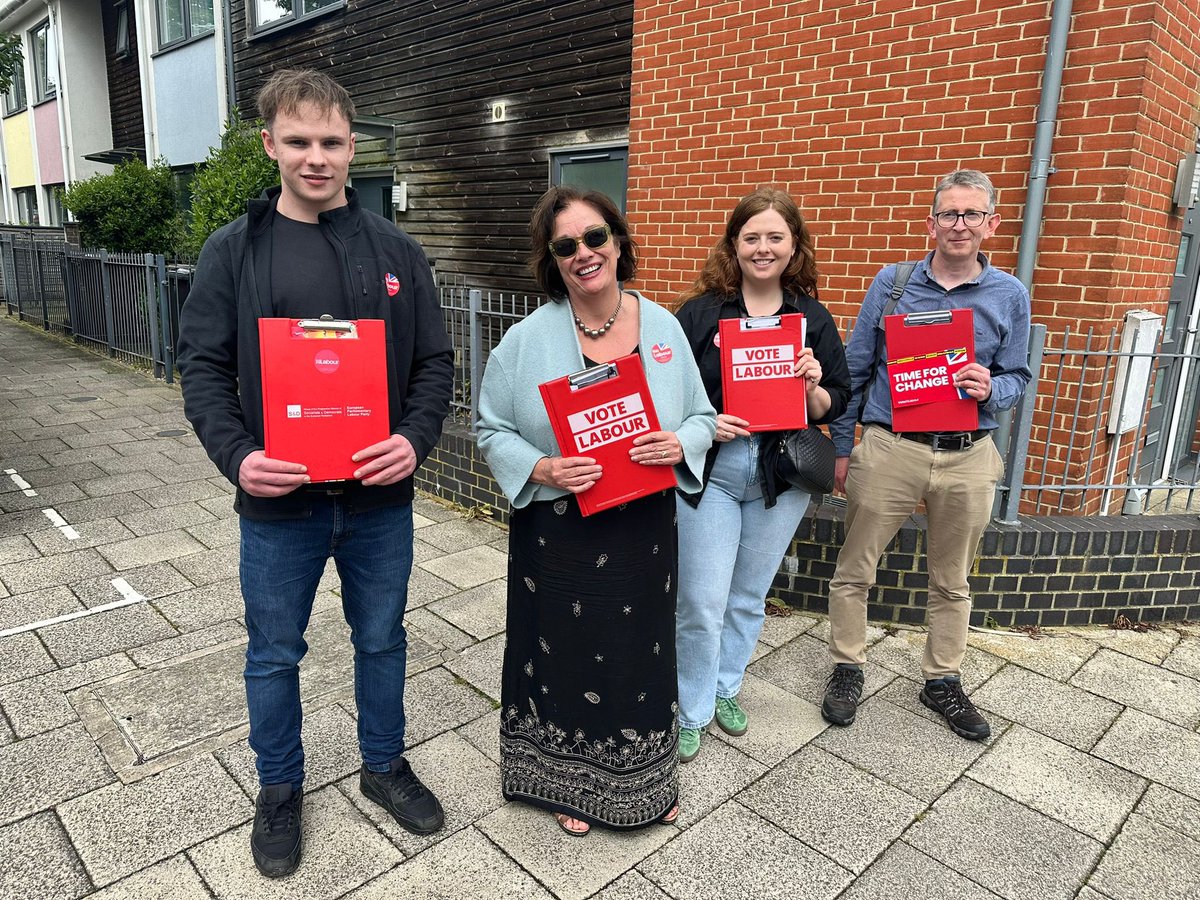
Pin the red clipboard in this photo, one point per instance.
(324, 386)
(757, 383)
(924, 351)
(597, 413)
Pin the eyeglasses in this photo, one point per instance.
(594, 238)
(972, 218)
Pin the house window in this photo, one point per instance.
(45, 62)
(276, 12)
(55, 214)
(14, 97)
(121, 50)
(182, 20)
(602, 168)
(27, 206)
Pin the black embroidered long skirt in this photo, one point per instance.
(588, 721)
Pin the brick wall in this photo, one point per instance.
(857, 107)
(1048, 571)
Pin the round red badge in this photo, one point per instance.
(717, 339)
(326, 361)
(661, 353)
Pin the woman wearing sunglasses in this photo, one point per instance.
(734, 531)
(588, 702)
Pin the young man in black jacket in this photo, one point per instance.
(303, 250)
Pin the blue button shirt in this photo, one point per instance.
(1000, 305)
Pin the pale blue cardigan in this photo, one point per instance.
(514, 431)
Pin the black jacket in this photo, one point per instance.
(218, 342)
(700, 318)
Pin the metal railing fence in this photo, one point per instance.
(1062, 456)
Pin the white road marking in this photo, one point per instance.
(61, 524)
(128, 598)
(20, 482)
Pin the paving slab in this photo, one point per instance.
(469, 568)
(188, 610)
(1065, 713)
(779, 723)
(631, 886)
(341, 852)
(1080, 791)
(904, 871)
(423, 551)
(436, 701)
(1185, 658)
(23, 656)
(1141, 685)
(484, 734)
(1055, 654)
(203, 493)
(833, 807)
(65, 568)
(437, 631)
(175, 878)
(17, 548)
(143, 551)
(570, 868)
(98, 532)
(152, 655)
(65, 457)
(783, 867)
(20, 523)
(217, 533)
(453, 535)
(714, 775)
(41, 771)
(61, 474)
(479, 611)
(425, 587)
(1154, 749)
(160, 816)
(208, 566)
(1004, 846)
(120, 484)
(151, 582)
(1172, 809)
(902, 748)
(40, 704)
(466, 864)
(330, 737)
(778, 630)
(1149, 646)
(431, 507)
(79, 512)
(106, 632)
(480, 666)
(1148, 861)
(465, 781)
(39, 861)
(50, 495)
(98, 439)
(802, 667)
(166, 518)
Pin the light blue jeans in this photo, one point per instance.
(730, 547)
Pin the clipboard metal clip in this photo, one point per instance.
(933, 317)
(761, 323)
(326, 327)
(594, 375)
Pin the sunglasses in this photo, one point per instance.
(594, 238)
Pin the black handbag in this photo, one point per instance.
(806, 460)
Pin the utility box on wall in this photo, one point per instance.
(1139, 341)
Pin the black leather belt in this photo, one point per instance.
(945, 440)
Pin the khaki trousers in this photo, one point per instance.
(889, 475)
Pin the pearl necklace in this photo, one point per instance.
(595, 333)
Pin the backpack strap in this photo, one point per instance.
(904, 272)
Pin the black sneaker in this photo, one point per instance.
(945, 695)
(275, 838)
(842, 693)
(402, 794)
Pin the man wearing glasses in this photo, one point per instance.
(955, 473)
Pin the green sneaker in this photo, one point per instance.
(731, 717)
(689, 744)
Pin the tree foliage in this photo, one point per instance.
(132, 209)
(233, 173)
(10, 58)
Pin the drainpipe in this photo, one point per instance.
(230, 84)
(1043, 138)
(64, 138)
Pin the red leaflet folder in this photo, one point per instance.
(597, 413)
(924, 351)
(757, 383)
(324, 385)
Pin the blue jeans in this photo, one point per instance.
(281, 564)
(730, 547)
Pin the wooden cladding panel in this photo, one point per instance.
(124, 81)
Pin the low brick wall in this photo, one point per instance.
(1061, 570)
